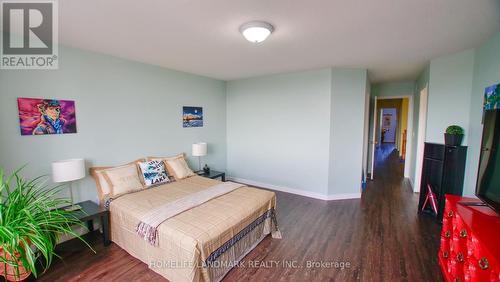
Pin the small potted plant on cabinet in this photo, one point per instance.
(31, 222)
(453, 135)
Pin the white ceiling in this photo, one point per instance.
(393, 39)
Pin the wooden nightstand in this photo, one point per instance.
(213, 174)
(91, 211)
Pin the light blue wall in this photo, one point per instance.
(393, 89)
(456, 89)
(348, 92)
(278, 130)
(486, 73)
(420, 84)
(302, 131)
(124, 111)
(450, 87)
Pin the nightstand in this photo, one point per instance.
(91, 211)
(213, 174)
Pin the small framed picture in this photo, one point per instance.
(192, 116)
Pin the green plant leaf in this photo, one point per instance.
(454, 130)
(31, 221)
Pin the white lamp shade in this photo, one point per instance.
(68, 170)
(199, 149)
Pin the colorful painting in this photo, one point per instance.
(46, 116)
(492, 97)
(192, 117)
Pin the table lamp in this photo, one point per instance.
(199, 150)
(69, 171)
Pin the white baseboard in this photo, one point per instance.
(344, 196)
(296, 191)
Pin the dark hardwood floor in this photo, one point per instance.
(379, 237)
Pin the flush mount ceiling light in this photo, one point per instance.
(256, 31)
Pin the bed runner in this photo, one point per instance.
(148, 226)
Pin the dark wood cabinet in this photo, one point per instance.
(443, 168)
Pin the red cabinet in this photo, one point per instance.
(470, 241)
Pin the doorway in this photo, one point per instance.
(392, 120)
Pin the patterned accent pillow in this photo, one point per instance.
(154, 173)
(107, 202)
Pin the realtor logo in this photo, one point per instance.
(29, 37)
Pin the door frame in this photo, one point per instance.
(366, 136)
(422, 127)
(372, 141)
(409, 130)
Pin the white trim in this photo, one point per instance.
(366, 135)
(296, 191)
(374, 136)
(409, 137)
(422, 127)
(411, 184)
(345, 196)
(393, 97)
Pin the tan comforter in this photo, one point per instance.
(197, 236)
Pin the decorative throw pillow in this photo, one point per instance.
(178, 166)
(154, 173)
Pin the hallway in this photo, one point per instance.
(387, 160)
(402, 239)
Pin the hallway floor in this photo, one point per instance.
(387, 161)
(379, 237)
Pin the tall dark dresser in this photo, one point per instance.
(443, 168)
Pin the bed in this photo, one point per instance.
(202, 243)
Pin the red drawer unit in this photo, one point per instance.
(470, 241)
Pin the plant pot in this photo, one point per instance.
(453, 139)
(9, 271)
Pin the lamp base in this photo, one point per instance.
(73, 208)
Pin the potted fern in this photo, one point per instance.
(453, 135)
(30, 225)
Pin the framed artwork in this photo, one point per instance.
(492, 97)
(46, 116)
(387, 120)
(192, 117)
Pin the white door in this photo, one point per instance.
(422, 125)
(374, 136)
(366, 135)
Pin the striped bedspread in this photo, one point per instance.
(191, 243)
(148, 227)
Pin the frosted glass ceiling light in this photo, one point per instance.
(256, 31)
